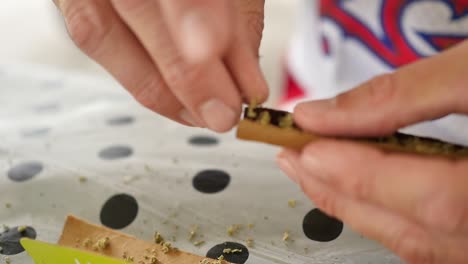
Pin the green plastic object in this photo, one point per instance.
(44, 253)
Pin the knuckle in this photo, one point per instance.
(327, 203)
(256, 23)
(149, 94)
(181, 75)
(361, 186)
(86, 24)
(131, 5)
(412, 246)
(445, 213)
(379, 92)
(381, 89)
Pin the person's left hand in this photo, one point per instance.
(416, 206)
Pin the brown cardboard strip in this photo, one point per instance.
(77, 231)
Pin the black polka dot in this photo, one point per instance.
(115, 152)
(10, 239)
(119, 211)
(120, 120)
(203, 141)
(211, 181)
(237, 257)
(35, 132)
(25, 171)
(320, 227)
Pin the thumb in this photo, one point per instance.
(428, 89)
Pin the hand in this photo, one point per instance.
(191, 61)
(416, 206)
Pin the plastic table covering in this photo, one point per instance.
(75, 144)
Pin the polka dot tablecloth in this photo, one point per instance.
(72, 144)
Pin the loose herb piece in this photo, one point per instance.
(193, 233)
(166, 247)
(173, 215)
(153, 260)
(199, 243)
(220, 260)
(265, 118)
(82, 179)
(127, 258)
(249, 242)
(102, 244)
(233, 229)
(286, 236)
(250, 112)
(231, 251)
(158, 239)
(7, 260)
(286, 121)
(130, 178)
(8, 205)
(87, 242)
(292, 203)
(148, 168)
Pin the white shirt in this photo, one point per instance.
(342, 43)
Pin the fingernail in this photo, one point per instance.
(196, 36)
(286, 166)
(187, 117)
(218, 116)
(313, 165)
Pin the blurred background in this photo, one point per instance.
(33, 32)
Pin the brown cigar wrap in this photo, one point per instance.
(76, 231)
(277, 128)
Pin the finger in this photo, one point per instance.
(285, 159)
(432, 192)
(425, 90)
(410, 241)
(97, 31)
(243, 59)
(202, 29)
(208, 92)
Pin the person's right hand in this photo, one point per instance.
(191, 61)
